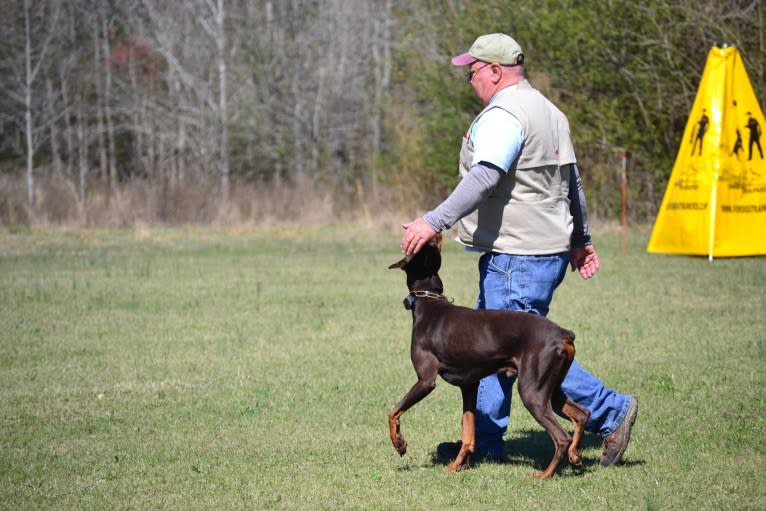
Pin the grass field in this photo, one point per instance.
(253, 369)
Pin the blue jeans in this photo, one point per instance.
(526, 283)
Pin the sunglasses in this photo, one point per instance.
(469, 74)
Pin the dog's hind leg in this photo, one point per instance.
(538, 402)
(468, 435)
(579, 417)
(565, 406)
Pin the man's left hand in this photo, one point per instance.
(585, 260)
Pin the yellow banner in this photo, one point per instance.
(715, 202)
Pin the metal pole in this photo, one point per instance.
(713, 206)
(624, 200)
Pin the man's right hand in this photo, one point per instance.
(416, 234)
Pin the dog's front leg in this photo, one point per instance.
(468, 434)
(418, 391)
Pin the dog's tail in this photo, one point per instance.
(568, 343)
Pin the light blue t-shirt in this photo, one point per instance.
(497, 138)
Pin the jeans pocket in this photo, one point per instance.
(519, 282)
(494, 281)
(540, 276)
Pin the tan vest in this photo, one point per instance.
(528, 211)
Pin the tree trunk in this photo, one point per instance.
(222, 100)
(28, 109)
(68, 128)
(111, 146)
(276, 138)
(98, 77)
(53, 130)
(296, 78)
(137, 116)
(316, 136)
(381, 54)
(82, 147)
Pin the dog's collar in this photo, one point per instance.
(410, 299)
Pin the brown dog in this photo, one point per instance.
(463, 345)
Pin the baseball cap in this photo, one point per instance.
(499, 48)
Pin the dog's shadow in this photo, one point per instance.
(534, 448)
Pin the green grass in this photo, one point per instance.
(253, 369)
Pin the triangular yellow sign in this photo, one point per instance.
(715, 201)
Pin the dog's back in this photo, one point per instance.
(471, 344)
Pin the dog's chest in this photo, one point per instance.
(460, 376)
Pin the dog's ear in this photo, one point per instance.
(400, 264)
(437, 241)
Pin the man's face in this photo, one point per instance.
(482, 76)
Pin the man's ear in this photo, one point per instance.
(497, 73)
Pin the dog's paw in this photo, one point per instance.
(452, 468)
(575, 459)
(455, 467)
(401, 447)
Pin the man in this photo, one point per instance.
(700, 131)
(755, 136)
(520, 203)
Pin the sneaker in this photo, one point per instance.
(616, 443)
(491, 449)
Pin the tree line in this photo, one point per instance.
(353, 97)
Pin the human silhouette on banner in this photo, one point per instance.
(737, 144)
(702, 125)
(755, 136)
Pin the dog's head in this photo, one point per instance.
(422, 268)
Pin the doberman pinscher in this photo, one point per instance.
(463, 345)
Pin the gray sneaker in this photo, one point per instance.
(616, 443)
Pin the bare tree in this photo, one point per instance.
(187, 60)
(274, 91)
(216, 29)
(36, 45)
(381, 57)
(98, 63)
(104, 19)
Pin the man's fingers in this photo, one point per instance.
(409, 244)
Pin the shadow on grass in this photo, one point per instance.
(534, 448)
